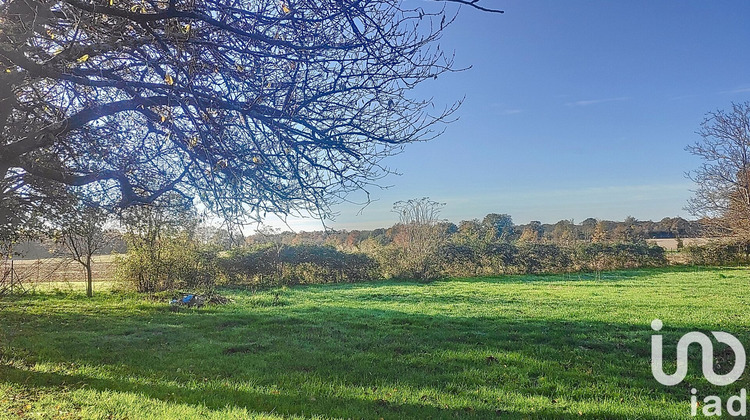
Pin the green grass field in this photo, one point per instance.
(511, 347)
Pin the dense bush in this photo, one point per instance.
(169, 259)
(399, 262)
(258, 265)
(270, 265)
(415, 252)
(719, 253)
(598, 257)
(460, 260)
(181, 263)
(531, 258)
(172, 263)
(543, 258)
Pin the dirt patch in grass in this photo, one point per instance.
(242, 349)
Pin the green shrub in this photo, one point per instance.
(719, 253)
(542, 258)
(273, 265)
(258, 266)
(460, 260)
(173, 263)
(598, 257)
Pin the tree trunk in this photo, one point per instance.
(89, 279)
(4, 167)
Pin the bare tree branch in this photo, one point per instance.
(722, 195)
(475, 4)
(249, 106)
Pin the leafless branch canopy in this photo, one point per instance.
(475, 4)
(252, 106)
(722, 194)
(421, 211)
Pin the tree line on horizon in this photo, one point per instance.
(563, 232)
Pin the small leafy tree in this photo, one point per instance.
(564, 233)
(163, 253)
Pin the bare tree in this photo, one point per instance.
(252, 106)
(82, 235)
(722, 195)
(421, 211)
(419, 236)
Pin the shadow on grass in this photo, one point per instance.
(305, 351)
(583, 276)
(259, 402)
(588, 276)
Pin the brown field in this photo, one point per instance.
(62, 270)
(671, 243)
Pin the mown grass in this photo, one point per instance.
(511, 347)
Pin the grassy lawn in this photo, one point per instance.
(511, 347)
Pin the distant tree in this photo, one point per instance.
(469, 233)
(81, 234)
(221, 237)
(626, 231)
(564, 232)
(722, 196)
(499, 226)
(447, 228)
(469, 227)
(532, 232)
(669, 227)
(586, 228)
(599, 234)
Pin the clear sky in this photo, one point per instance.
(573, 109)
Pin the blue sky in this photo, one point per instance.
(572, 109)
